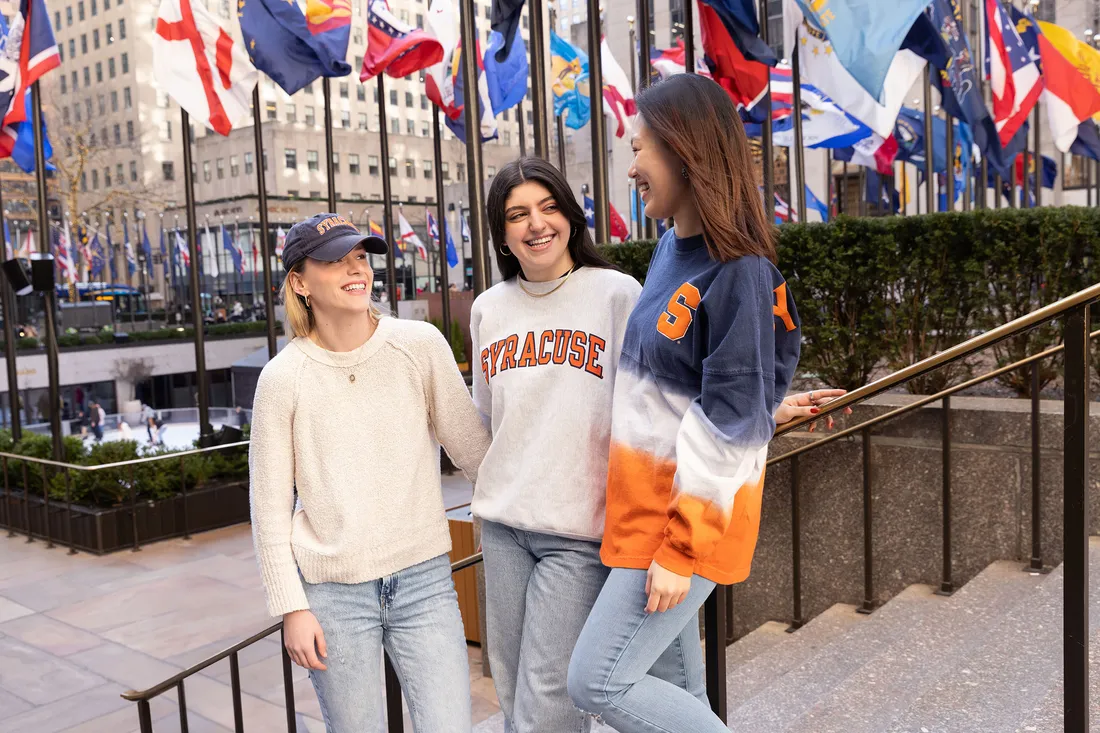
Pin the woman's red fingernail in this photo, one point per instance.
(814, 410)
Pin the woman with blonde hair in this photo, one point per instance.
(347, 510)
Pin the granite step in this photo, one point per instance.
(1013, 676)
(887, 684)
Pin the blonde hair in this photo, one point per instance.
(299, 317)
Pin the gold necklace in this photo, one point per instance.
(548, 292)
(351, 375)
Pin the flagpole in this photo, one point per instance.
(326, 90)
(7, 295)
(261, 201)
(50, 296)
(863, 190)
(929, 152)
(598, 123)
(148, 256)
(796, 115)
(472, 111)
(644, 62)
(949, 163)
(1025, 185)
(441, 220)
(252, 241)
(767, 161)
(387, 192)
(539, 74)
(842, 191)
(828, 181)
(689, 37)
(522, 130)
(1038, 158)
(1012, 186)
(196, 294)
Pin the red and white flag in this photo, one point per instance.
(395, 47)
(65, 254)
(409, 238)
(199, 65)
(618, 99)
(669, 61)
(1013, 76)
(181, 250)
(618, 226)
(783, 211)
(442, 25)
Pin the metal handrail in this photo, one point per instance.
(951, 355)
(144, 696)
(886, 417)
(122, 464)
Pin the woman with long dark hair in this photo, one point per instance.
(708, 354)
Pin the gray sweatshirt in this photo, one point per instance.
(544, 375)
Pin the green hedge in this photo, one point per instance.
(160, 334)
(877, 293)
(154, 480)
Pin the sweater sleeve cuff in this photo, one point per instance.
(670, 558)
(282, 583)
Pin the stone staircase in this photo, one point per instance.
(986, 660)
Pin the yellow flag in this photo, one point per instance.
(1083, 56)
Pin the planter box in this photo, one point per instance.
(100, 531)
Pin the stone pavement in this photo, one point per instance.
(77, 631)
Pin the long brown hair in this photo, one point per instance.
(522, 170)
(696, 120)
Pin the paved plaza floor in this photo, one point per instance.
(78, 630)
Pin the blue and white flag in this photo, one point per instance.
(815, 203)
(590, 211)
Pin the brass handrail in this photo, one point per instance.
(150, 693)
(948, 356)
(885, 417)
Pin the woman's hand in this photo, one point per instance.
(664, 588)
(806, 404)
(304, 639)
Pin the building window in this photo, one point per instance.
(99, 72)
(118, 172)
(114, 99)
(409, 100)
(206, 171)
(122, 28)
(362, 120)
(87, 77)
(125, 63)
(64, 85)
(84, 181)
(315, 194)
(83, 43)
(446, 169)
(107, 178)
(311, 160)
(76, 112)
(127, 102)
(110, 36)
(507, 138)
(410, 168)
(271, 111)
(95, 39)
(234, 167)
(393, 97)
(395, 126)
(111, 67)
(291, 113)
(133, 171)
(292, 194)
(311, 117)
(130, 130)
(423, 101)
(118, 134)
(393, 166)
(69, 15)
(95, 180)
(103, 134)
(168, 170)
(335, 162)
(57, 20)
(353, 164)
(491, 171)
(95, 8)
(219, 168)
(361, 93)
(410, 127)
(248, 167)
(427, 169)
(1076, 172)
(291, 156)
(343, 90)
(345, 119)
(88, 108)
(372, 164)
(65, 116)
(460, 171)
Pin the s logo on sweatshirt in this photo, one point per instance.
(578, 349)
(680, 311)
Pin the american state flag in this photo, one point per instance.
(1014, 77)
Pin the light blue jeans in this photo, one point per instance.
(540, 589)
(610, 673)
(414, 615)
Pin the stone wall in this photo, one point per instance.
(991, 504)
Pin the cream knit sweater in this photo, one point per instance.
(363, 455)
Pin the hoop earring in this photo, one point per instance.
(507, 252)
(309, 306)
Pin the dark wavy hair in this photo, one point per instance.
(522, 170)
(695, 119)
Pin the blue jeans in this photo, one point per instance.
(540, 590)
(414, 615)
(610, 672)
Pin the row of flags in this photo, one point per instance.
(27, 52)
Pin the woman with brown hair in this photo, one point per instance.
(709, 352)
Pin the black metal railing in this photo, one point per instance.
(717, 611)
(1075, 310)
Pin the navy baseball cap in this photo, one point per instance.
(327, 237)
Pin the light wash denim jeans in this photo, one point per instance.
(610, 675)
(539, 591)
(414, 615)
